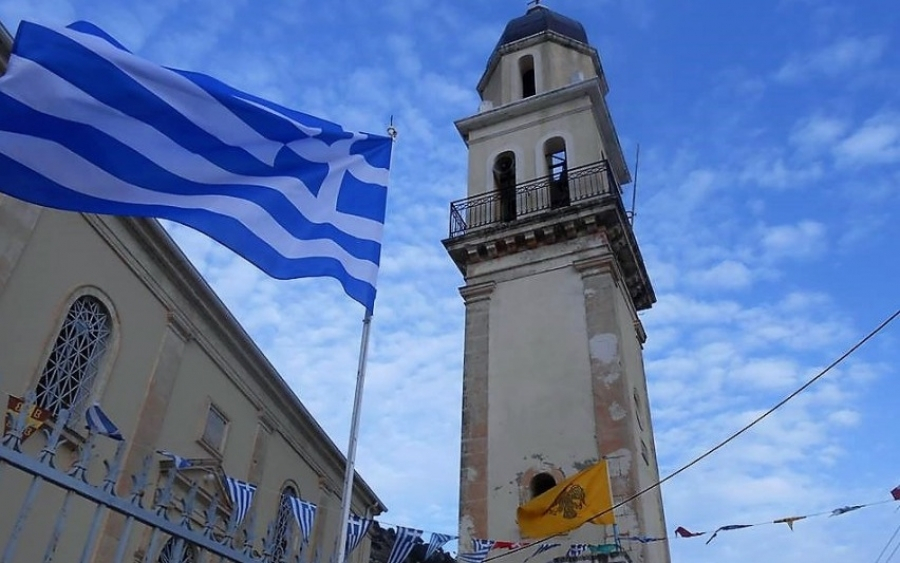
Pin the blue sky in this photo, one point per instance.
(769, 189)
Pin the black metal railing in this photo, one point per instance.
(525, 200)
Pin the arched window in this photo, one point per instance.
(282, 526)
(541, 483)
(505, 184)
(76, 357)
(526, 71)
(558, 171)
(170, 555)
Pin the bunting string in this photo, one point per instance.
(683, 532)
(242, 493)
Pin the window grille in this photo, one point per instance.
(75, 359)
(168, 554)
(282, 526)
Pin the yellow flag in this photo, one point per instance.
(569, 504)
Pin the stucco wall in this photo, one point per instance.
(563, 363)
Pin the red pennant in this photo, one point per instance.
(685, 533)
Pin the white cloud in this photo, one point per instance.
(728, 274)
(818, 131)
(773, 172)
(877, 141)
(803, 239)
(845, 56)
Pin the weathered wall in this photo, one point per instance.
(558, 372)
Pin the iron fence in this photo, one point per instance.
(189, 529)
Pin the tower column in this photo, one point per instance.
(612, 338)
(473, 509)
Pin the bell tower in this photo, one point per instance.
(553, 369)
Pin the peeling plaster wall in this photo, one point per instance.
(558, 356)
(540, 387)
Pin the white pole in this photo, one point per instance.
(351, 448)
(354, 422)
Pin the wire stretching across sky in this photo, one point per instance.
(727, 440)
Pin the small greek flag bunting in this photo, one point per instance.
(98, 422)
(576, 549)
(479, 553)
(437, 542)
(241, 495)
(403, 544)
(87, 126)
(178, 461)
(356, 530)
(546, 546)
(305, 513)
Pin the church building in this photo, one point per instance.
(553, 372)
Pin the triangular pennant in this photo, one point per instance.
(241, 495)
(98, 422)
(405, 540)
(437, 542)
(305, 514)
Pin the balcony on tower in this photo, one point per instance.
(561, 193)
(561, 206)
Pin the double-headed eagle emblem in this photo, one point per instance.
(569, 502)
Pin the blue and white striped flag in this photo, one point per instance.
(87, 126)
(178, 461)
(437, 542)
(480, 550)
(305, 513)
(356, 530)
(97, 421)
(576, 549)
(546, 546)
(241, 495)
(406, 540)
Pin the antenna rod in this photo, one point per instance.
(637, 163)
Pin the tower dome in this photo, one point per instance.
(539, 19)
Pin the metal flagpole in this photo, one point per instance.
(354, 421)
(351, 448)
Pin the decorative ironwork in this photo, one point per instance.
(175, 535)
(281, 527)
(172, 552)
(531, 198)
(75, 358)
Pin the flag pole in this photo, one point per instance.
(354, 421)
(354, 434)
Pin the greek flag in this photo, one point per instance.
(98, 422)
(546, 546)
(241, 495)
(87, 126)
(356, 531)
(178, 461)
(576, 549)
(437, 542)
(406, 540)
(479, 553)
(305, 513)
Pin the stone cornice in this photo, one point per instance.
(477, 292)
